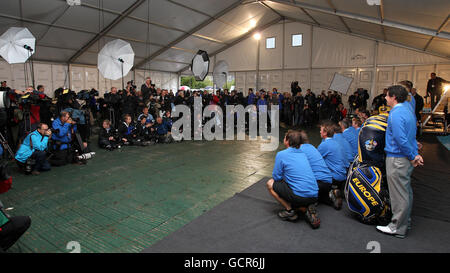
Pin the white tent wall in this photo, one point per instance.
(163, 80)
(54, 76)
(373, 65)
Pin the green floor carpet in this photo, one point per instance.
(126, 200)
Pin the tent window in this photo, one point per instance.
(270, 43)
(297, 39)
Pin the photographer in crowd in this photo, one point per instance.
(127, 131)
(162, 130)
(147, 89)
(32, 156)
(108, 137)
(111, 107)
(63, 129)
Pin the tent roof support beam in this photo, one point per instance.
(148, 22)
(441, 27)
(97, 37)
(415, 29)
(185, 36)
(240, 39)
(369, 38)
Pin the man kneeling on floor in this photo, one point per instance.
(32, 154)
(293, 183)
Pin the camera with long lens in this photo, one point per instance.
(86, 156)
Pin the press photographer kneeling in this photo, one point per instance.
(32, 156)
(67, 146)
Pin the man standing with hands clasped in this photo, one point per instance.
(401, 158)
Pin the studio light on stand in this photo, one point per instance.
(115, 60)
(200, 65)
(17, 45)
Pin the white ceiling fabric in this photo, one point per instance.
(179, 28)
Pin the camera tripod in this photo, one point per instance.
(5, 144)
(27, 118)
(112, 116)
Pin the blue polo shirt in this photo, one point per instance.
(401, 133)
(318, 165)
(345, 147)
(335, 160)
(351, 135)
(293, 167)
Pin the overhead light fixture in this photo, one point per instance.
(374, 2)
(73, 2)
(253, 23)
(257, 36)
(446, 87)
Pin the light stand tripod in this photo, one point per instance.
(31, 66)
(121, 63)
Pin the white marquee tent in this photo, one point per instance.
(377, 45)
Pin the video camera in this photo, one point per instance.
(33, 98)
(87, 94)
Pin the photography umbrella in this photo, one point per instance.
(17, 45)
(115, 60)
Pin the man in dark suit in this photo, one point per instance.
(435, 88)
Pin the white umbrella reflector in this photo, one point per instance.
(17, 44)
(111, 58)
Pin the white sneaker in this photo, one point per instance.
(388, 230)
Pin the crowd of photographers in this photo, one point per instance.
(46, 133)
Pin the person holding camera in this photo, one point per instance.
(31, 156)
(63, 129)
(108, 137)
(162, 131)
(127, 131)
(147, 89)
(144, 136)
(129, 103)
(148, 117)
(112, 102)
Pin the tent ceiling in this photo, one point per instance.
(178, 28)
